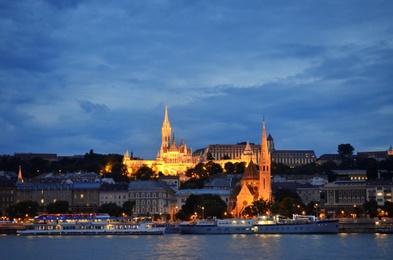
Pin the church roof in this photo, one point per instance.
(251, 172)
(235, 191)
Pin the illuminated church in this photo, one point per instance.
(255, 184)
(172, 159)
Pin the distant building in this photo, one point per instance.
(339, 198)
(152, 197)
(113, 193)
(241, 152)
(172, 159)
(336, 158)
(318, 181)
(293, 158)
(309, 193)
(173, 181)
(222, 182)
(376, 155)
(352, 175)
(81, 190)
(7, 192)
(380, 190)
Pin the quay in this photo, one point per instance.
(10, 228)
(364, 225)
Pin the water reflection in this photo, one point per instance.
(222, 247)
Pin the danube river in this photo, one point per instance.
(176, 246)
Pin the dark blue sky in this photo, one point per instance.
(81, 75)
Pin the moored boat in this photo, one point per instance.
(218, 226)
(89, 224)
(299, 224)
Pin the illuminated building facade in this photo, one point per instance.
(172, 159)
(255, 184)
(152, 197)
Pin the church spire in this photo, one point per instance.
(265, 190)
(166, 130)
(20, 179)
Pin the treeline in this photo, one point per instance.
(29, 209)
(109, 165)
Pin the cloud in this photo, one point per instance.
(89, 107)
(81, 75)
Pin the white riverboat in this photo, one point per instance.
(218, 226)
(89, 224)
(299, 224)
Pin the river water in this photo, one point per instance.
(176, 246)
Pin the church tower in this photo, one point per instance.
(166, 131)
(20, 178)
(265, 189)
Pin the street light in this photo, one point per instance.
(203, 212)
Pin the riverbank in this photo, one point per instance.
(363, 225)
(10, 228)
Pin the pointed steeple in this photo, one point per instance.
(166, 130)
(265, 190)
(20, 179)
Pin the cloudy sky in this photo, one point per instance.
(80, 75)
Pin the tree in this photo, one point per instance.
(193, 183)
(288, 207)
(240, 167)
(144, 173)
(388, 208)
(199, 171)
(23, 209)
(229, 167)
(58, 207)
(128, 207)
(111, 208)
(281, 194)
(204, 205)
(372, 170)
(280, 168)
(328, 167)
(345, 150)
(371, 208)
(261, 206)
(214, 168)
(312, 208)
(249, 211)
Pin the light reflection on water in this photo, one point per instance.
(175, 246)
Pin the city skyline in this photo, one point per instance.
(79, 75)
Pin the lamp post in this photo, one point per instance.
(316, 209)
(203, 212)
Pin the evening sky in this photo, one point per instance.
(80, 75)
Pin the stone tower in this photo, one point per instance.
(265, 189)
